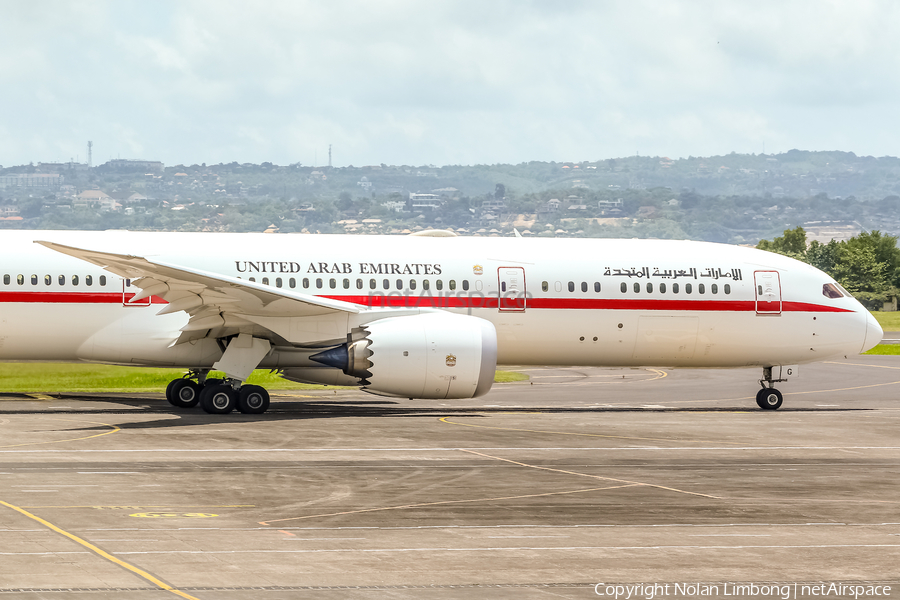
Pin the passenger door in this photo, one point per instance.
(768, 292)
(511, 289)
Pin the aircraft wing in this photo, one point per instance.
(212, 300)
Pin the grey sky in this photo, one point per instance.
(430, 82)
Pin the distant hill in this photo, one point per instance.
(737, 198)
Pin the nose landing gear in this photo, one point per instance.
(768, 398)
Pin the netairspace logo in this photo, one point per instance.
(785, 591)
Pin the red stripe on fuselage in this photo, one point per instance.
(71, 298)
(398, 301)
(454, 301)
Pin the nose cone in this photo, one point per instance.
(874, 333)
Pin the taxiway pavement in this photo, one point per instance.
(540, 489)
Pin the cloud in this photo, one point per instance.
(442, 82)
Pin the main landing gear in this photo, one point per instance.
(216, 396)
(768, 398)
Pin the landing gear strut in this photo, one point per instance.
(216, 396)
(768, 398)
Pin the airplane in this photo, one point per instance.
(428, 315)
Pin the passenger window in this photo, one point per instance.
(425, 284)
(597, 286)
(452, 284)
(74, 279)
(62, 280)
(674, 288)
(584, 286)
(714, 288)
(359, 284)
(89, 280)
(701, 288)
(623, 287)
(20, 279)
(662, 288)
(292, 283)
(637, 288)
(372, 284)
(412, 284)
(649, 288)
(439, 284)
(332, 283)
(103, 280)
(571, 286)
(47, 280)
(399, 284)
(346, 284)
(687, 288)
(34, 279)
(265, 281)
(465, 285)
(545, 286)
(6, 280)
(557, 286)
(386, 284)
(727, 288)
(278, 282)
(319, 283)
(305, 283)
(253, 279)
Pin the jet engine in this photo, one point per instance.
(434, 355)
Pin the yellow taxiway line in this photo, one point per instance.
(102, 553)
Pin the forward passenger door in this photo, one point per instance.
(768, 292)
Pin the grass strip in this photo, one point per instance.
(889, 321)
(885, 350)
(89, 377)
(509, 376)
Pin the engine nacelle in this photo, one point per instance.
(435, 355)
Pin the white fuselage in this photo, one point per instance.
(552, 301)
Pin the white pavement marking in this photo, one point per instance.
(514, 549)
(109, 473)
(448, 449)
(729, 535)
(664, 548)
(471, 527)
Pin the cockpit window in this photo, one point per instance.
(830, 290)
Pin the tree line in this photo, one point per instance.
(867, 266)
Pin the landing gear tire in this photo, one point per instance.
(253, 400)
(218, 399)
(169, 391)
(183, 393)
(769, 399)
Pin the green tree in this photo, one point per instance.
(884, 248)
(792, 243)
(345, 201)
(824, 257)
(867, 265)
(862, 275)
